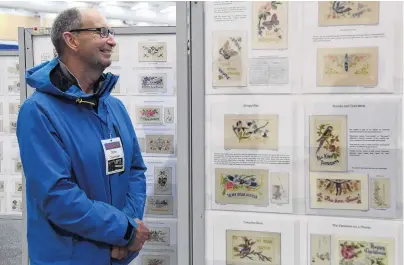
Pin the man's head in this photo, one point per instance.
(76, 33)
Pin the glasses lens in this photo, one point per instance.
(105, 32)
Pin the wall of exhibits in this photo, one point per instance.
(278, 143)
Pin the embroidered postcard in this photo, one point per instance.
(152, 52)
(279, 187)
(328, 143)
(270, 25)
(320, 249)
(356, 66)
(16, 205)
(249, 131)
(342, 191)
(229, 58)
(160, 144)
(18, 187)
(159, 236)
(160, 205)
(149, 114)
(252, 248)
(380, 193)
(363, 251)
(153, 83)
(155, 260)
(241, 186)
(342, 13)
(163, 180)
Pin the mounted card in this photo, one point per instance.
(152, 52)
(148, 114)
(159, 205)
(279, 187)
(380, 193)
(163, 180)
(320, 246)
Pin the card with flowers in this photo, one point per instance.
(241, 186)
(148, 114)
(356, 66)
(248, 131)
(363, 251)
(270, 25)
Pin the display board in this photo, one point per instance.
(145, 58)
(301, 117)
(10, 163)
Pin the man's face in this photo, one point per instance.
(93, 49)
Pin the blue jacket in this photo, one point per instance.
(76, 212)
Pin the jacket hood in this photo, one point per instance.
(39, 78)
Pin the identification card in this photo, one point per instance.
(114, 156)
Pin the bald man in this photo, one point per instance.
(85, 175)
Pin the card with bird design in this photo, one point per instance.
(242, 186)
(252, 248)
(279, 187)
(328, 143)
(160, 205)
(229, 58)
(355, 250)
(380, 189)
(270, 25)
(251, 131)
(320, 249)
(343, 13)
(152, 51)
(356, 66)
(342, 191)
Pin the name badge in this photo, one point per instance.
(114, 156)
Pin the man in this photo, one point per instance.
(85, 181)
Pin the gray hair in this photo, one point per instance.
(67, 20)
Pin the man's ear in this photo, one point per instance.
(71, 41)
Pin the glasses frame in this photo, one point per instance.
(101, 31)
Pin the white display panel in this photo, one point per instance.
(328, 241)
(367, 37)
(10, 164)
(352, 155)
(250, 153)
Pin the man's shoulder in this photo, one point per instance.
(37, 100)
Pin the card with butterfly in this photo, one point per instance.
(347, 66)
(269, 25)
(229, 58)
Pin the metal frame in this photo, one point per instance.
(26, 38)
(198, 135)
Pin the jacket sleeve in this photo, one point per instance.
(136, 196)
(47, 170)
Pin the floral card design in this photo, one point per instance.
(380, 193)
(320, 249)
(160, 205)
(356, 66)
(163, 180)
(270, 25)
(152, 51)
(160, 144)
(169, 114)
(149, 114)
(363, 251)
(159, 236)
(251, 131)
(328, 143)
(241, 186)
(153, 83)
(17, 165)
(342, 13)
(252, 247)
(279, 187)
(155, 260)
(229, 58)
(342, 191)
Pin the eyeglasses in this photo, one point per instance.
(104, 32)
